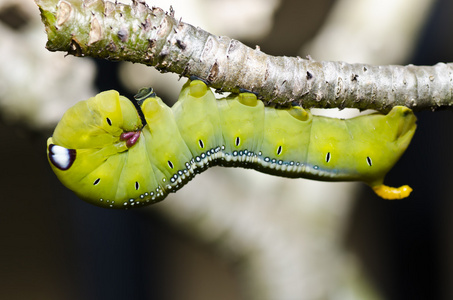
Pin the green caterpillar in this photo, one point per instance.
(112, 154)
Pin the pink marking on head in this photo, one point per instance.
(126, 135)
(131, 137)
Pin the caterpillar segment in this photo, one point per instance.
(114, 155)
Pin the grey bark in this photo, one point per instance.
(150, 36)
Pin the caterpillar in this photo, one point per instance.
(113, 153)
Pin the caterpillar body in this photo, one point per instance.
(104, 151)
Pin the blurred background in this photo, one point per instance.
(230, 233)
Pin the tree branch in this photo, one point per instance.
(150, 36)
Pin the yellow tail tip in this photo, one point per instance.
(391, 193)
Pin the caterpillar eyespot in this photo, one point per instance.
(142, 152)
(61, 157)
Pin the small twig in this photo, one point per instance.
(150, 36)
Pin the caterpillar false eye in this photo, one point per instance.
(114, 153)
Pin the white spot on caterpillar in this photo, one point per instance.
(61, 157)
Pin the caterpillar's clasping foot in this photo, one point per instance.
(391, 193)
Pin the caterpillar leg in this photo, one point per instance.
(391, 193)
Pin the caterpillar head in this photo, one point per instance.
(89, 134)
(97, 122)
